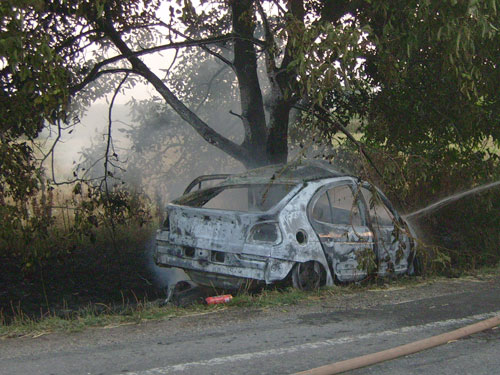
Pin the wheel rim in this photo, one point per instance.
(307, 276)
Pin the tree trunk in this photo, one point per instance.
(245, 64)
(277, 141)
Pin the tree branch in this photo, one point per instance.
(108, 136)
(236, 114)
(210, 86)
(167, 72)
(72, 40)
(205, 131)
(51, 152)
(324, 116)
(96, 68)
(296, 9)
(270, 45)
(203, 47)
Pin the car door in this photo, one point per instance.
(392, 245)
(340, 223)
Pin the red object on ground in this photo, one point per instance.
(218, 299)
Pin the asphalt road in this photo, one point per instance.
(283, 340)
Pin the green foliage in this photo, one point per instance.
(96, 207)
(439, 97)
(366, 260)
(18, 178)
(42, 62)
(431, 119)
(468, 231)
(327, 66)
(460, 236)
(456, 37)
(34, 79)
(93, 315)
(270, 298)
(25, 232)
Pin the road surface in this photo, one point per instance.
(283, 340)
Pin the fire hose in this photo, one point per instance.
(403, 350)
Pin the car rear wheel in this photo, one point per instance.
(308, 275)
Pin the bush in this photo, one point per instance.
(37, 229)
(63, 253)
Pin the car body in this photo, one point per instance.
(305, 221)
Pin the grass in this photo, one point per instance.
(93, 316)
(107, 316)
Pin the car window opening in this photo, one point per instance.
(266, 232)
(336, 206)
(379, 213)
(246, 198)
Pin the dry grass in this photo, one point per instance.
(109, 316)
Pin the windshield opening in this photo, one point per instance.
(246, 198)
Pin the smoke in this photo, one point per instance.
(87, 133)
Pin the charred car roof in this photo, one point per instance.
(293, 173)
(290, 174)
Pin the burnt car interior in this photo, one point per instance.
(246, 198)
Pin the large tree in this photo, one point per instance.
(319, 55)
(80, 42)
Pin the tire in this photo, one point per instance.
(416, 266)
(308, 276)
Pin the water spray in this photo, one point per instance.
(448, 200)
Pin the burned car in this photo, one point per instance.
(303, 222)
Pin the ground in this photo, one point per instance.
(97, 275)
(333, 325)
